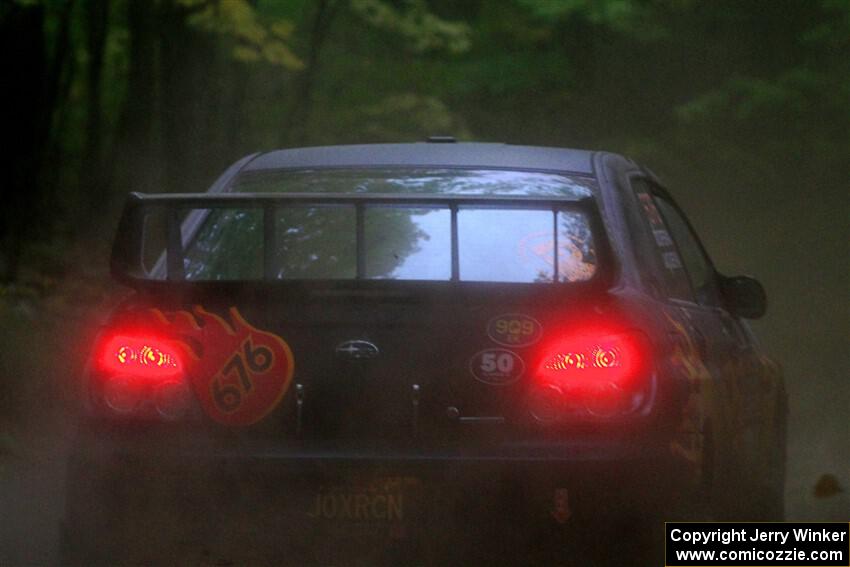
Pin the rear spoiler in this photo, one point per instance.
(127, 265)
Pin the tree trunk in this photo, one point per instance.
(61, 79)
(93, 179)
(135, 167)
(24, 62)
(295, 127)
(184, 73)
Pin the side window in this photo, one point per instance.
(698, 266)
(670, 267)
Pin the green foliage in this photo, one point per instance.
(424, 116)
(253, 39)
(659, 78)
(835, 30)
(596, 11)
(636, 17)
(424, 31)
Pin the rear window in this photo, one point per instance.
(400, 243)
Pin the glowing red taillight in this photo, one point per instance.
(588, 359)
(142, 375)
(142, 357)
(599, 371)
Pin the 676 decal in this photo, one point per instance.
(240, 373)
(237, 377)
(497, 366)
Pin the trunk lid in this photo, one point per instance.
(385, 366)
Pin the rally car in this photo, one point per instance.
(412, 351)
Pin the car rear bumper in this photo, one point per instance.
(222, 499)
(623, 467)
(627, 469)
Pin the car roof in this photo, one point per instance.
(428, 154)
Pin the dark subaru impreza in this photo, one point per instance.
(417, 352)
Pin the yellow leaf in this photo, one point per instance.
(282, 29)
(277, 53)
(246, 54)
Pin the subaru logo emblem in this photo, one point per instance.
(357, 350)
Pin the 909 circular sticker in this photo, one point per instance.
(497, 367)
(514, 329)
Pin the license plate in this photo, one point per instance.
(382, 503)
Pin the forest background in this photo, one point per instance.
(742, 107)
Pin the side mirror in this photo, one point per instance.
(744, 296)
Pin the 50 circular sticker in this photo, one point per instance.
(514, 329)
(497, 367)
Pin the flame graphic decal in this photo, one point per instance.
(239, 373)
(689, 442)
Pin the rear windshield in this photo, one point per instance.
(400, 243)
